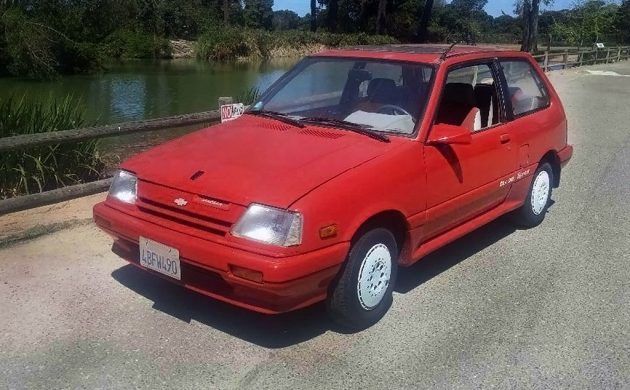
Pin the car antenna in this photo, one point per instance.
(445, 52)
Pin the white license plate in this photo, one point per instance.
(160, 258)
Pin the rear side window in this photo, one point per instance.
(526, 90)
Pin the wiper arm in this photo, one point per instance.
(277, 116)
(354, 127)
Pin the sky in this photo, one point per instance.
(494, 7)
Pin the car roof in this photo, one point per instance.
(428, 53)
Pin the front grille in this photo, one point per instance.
(196, 217)
(184, 217)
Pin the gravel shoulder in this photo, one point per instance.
(542, 308)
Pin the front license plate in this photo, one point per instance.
(160, 258)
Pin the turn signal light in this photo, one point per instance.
(328, 231)
(246, 273)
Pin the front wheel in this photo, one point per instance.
(535, 207)
(362, 294)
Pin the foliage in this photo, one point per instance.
(35, 50)
(622, 22)
(591, 21)
(132, 44)
(286, 20)
(223, 43)
(258, 14)
(44, 38)
(45, 167)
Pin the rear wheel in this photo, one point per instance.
(536, 204)
(362, 293)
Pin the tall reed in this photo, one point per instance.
(43, 168)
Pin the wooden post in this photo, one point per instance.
(546, 61)
(618, 54)
(596, 56)
(223, 100)
(607, 55)
(580, 57)
(565, 58)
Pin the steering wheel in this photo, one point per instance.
(393, 109)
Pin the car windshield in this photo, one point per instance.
(374, 95)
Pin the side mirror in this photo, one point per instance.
(444, 134)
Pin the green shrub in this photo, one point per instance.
(224, 43)
(44, 167)
(132, 44)
(33, 50)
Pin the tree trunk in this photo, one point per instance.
(313, 15)
(525, 45)
(380, 16)
(424, 21)
(226, 12)
(533, 28)
(363, 16)
(333, 7)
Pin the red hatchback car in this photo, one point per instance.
(355, 162)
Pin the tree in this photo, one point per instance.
(622, 21)
(424, 20)
(332, 10)
(313, 15)
(258, 14)
(226, 12)
(530, 13)
(286, 20)
(380, 16)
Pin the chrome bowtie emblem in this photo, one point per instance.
(181, 202)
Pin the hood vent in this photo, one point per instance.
(321, 134)
(197, 175)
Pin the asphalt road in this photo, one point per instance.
(541, 308)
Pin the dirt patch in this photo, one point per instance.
(24, 225)
(181, 48)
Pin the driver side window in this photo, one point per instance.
(469, 98)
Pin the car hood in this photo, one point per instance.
(254, 159)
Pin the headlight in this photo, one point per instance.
(124, 187)
(270, 225)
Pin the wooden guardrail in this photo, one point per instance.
(74, 135)
(562, 59)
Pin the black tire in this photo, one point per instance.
(344, 303)
(529, 215)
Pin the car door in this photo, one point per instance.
(465, 180)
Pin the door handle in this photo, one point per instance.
(505, 138)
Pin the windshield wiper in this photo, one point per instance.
(354, 127)
(277, 116)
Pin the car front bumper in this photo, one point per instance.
(288, 283)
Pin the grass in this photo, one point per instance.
(45, 168)
(225, 43)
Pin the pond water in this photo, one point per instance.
(151, 89)
(138, 90)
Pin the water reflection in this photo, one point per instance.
(148, 89)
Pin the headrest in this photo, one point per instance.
(484, 90)
(381, 90)
(459, 93)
